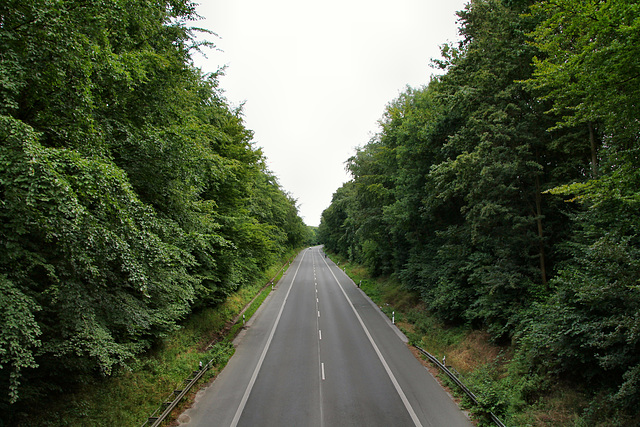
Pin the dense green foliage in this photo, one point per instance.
(506, 191)
(130, 190)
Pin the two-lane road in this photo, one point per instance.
(319, 353)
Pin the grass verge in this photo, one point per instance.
(128, 398)
(489, 370)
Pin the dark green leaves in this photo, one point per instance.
(81, 244)
(506, 191)
(19, 335)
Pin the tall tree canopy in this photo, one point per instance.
(131, 191)
(506, 190)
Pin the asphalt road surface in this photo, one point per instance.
(319, 353)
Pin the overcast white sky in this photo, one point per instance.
(316, 77)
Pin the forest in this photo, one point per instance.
(506, 192)
(131, 191)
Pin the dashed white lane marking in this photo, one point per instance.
(322, 366)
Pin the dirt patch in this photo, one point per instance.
(434, 373)
(432, 370)
(407, 328)
(474, 351)
(215, 337)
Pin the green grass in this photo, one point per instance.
(128, 398)
(257, 302)
(419, 325)
(489, 370)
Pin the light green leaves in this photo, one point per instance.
(588, 63)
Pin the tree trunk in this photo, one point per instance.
(594, 157)
(543, 269)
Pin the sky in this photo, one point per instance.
(314, 78)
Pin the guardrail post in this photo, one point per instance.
(188, 383)
(455, 379)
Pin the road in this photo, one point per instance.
(319, 353)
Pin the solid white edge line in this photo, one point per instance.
(403, 397)
(247, 392)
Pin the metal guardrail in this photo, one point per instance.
(446, 370)
(159, 415)
(455, 379)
